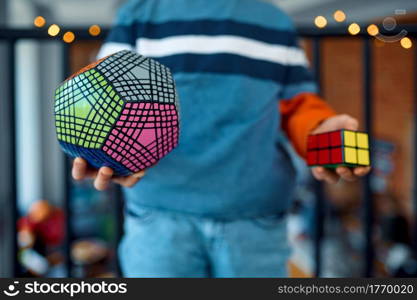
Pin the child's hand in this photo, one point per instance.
(330, 176)
(103, 176)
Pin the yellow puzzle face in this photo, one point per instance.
(349, 138)
(362, 139)
(351, 156)
(363, 157)
(356, 148)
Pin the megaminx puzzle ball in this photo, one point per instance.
(121, 112)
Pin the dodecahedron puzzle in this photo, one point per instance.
(338, 148)
(121, 111)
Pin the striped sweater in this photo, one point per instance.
(243, 85)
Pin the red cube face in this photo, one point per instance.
(312, 142)
(323, 140)
(312, 158)
(336, 139)
(336, 156)
(324, 157)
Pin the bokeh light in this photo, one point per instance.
(68, 37)
(373, 30)
(39, 21)
(320, 21)
(354, 29)
(339, 16)
(54, 30)
(94, 30)
(406, 43)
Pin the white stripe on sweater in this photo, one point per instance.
(201, 44)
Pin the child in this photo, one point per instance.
(215, 206)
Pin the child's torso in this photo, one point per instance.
(229, 59)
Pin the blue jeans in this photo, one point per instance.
(167, 244)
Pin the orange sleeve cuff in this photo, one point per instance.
(300, 116)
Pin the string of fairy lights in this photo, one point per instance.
(68, 36)
(319, 21)
(354, 28)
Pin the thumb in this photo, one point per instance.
(347, 122)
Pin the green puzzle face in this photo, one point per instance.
(86, 109)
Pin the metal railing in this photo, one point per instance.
(10, 37)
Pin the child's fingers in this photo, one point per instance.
(321, 173)
(79, 168)
(103, 178)
(317, 173)
(361, 171)
(131, 180)
(346, 174)
(350, 122)
(331, 177)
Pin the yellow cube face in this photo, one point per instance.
(351, 156)
(363, 141)
(363, 157)
(349, 139)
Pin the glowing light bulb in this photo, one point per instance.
(373, 30)
(53, 30)
(339, 16)
(94, 30)
(406, 43)
(354, 29)
(68, 37)
(320, 21)
(39, 21)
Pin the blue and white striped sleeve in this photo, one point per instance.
(298, 77)
(122, 36)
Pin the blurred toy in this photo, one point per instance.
(338, 148)
(40, 233)
(44, 222)
(121, 112)
(36, 264)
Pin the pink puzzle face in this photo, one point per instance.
(120, 112)
(141, 124)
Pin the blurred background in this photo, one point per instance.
(364, 56)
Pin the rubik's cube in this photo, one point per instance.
(338, 148)
(121, 111)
